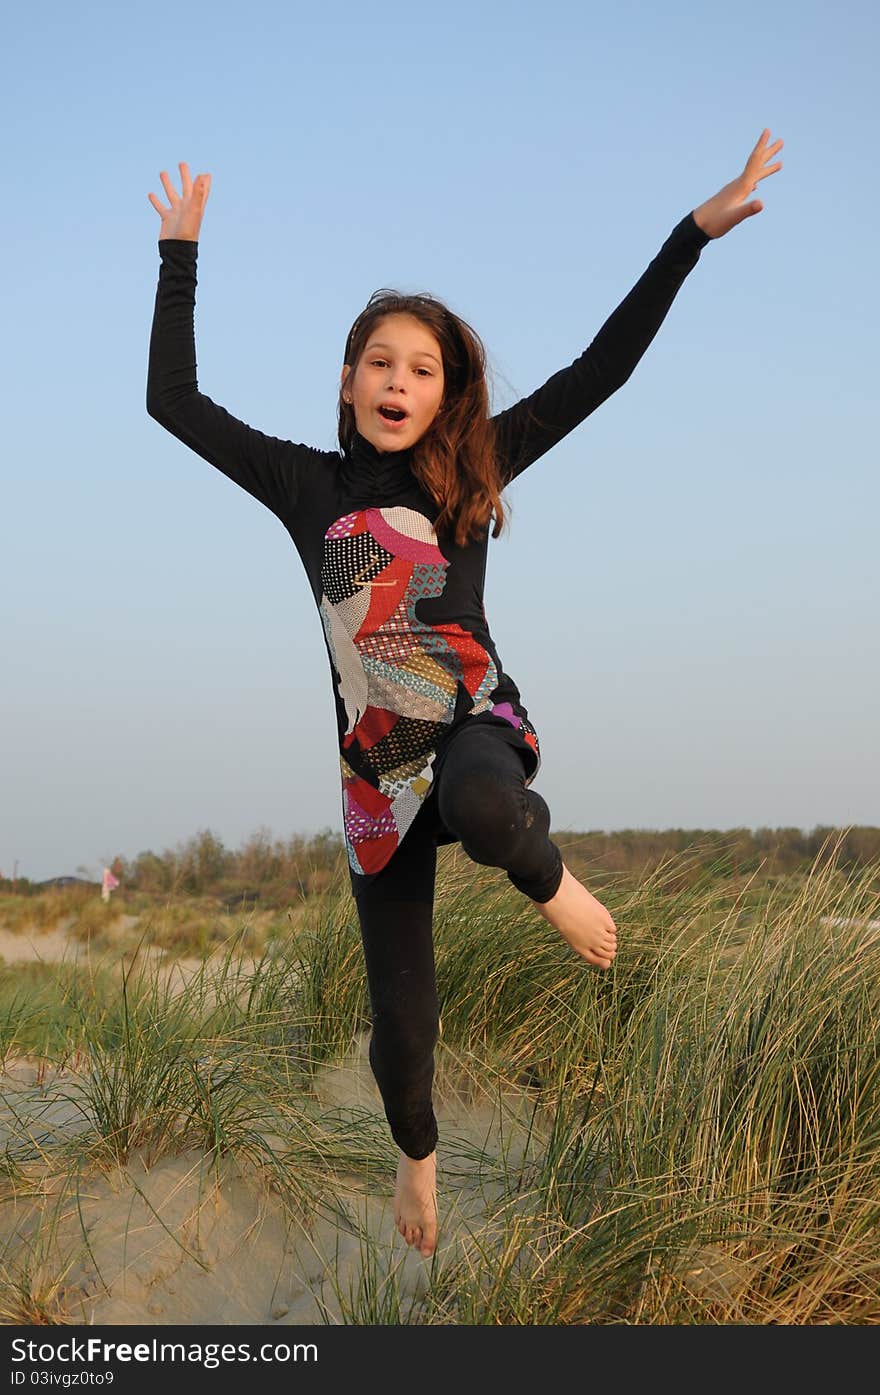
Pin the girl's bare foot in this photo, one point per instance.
(582, 921)
(415, 1201)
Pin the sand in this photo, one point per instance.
(181, 1242)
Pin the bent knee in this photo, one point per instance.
(489, 816)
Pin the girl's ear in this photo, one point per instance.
(346, 369)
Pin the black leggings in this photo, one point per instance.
(480, 798)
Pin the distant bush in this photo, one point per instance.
(265, 871)
(765, 853)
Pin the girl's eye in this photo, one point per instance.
(383, 363)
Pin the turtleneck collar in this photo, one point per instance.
(375, 478)
(364, 451)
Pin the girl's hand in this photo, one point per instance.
(723, 211)
(184, 218)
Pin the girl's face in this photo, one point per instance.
(397, 385)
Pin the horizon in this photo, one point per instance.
(92, 876)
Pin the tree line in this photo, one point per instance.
(276, 871)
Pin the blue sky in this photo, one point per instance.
(689, 583)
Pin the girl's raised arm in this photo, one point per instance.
(271, 469)
(530, 428)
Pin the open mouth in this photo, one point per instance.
(392, 413)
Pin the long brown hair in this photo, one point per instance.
(455, 460)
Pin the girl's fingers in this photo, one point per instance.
(759, 154)
(171, 193)
(195, 193)
(754, 169)
(758, 172)
(774, 150)
(197, 187)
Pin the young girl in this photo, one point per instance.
(435, 743)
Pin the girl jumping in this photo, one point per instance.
(393, 528)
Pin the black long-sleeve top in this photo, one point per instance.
(402, 606)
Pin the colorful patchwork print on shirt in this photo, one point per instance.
(397, 677)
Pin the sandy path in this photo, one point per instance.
(181, 1243)
(54, 945)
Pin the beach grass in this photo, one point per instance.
(692, 1137)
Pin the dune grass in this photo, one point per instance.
(703, 1121)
